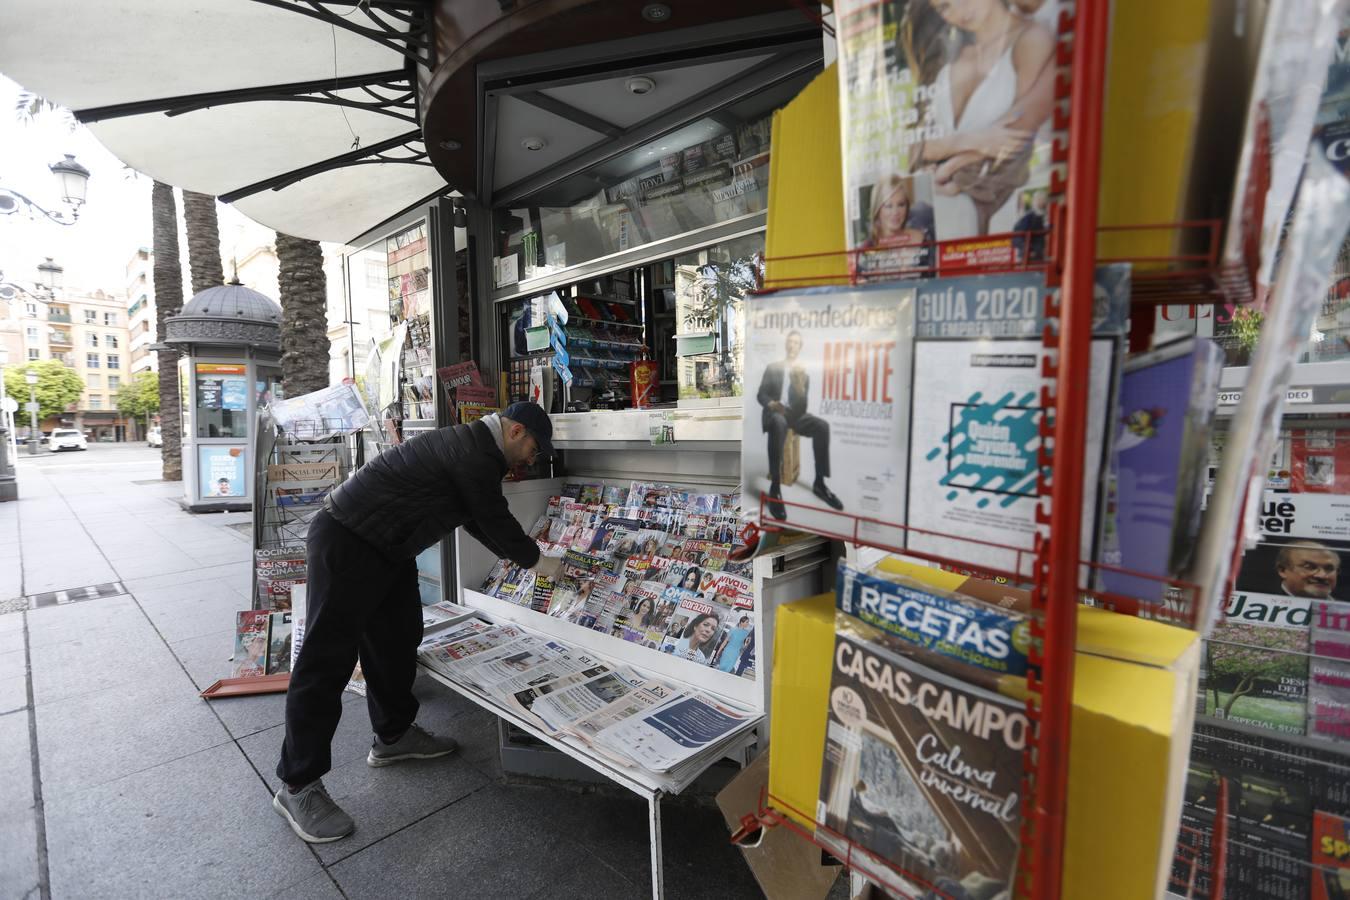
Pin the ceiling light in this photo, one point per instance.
(639, 85)
(656, 12)
(533, 143)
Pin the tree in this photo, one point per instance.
(1250, 654)
(304, 315)
(138, 399)
(58, 387)
(203, 239)
(168, 302)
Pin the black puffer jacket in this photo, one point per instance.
(414, 494)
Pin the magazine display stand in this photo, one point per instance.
(613, 447)
(1059, 566)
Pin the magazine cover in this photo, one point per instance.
(1329, 671)
(961, 629)
(1269, 846)
(944, 112)
(1256, 663)
(279, 643)
(974, 442)
(1168, 399)
(250, 643)
(830, 371)
(1330, 856)
(920, 770)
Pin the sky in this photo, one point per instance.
(114, 222)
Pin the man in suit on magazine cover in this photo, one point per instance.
(783, 393)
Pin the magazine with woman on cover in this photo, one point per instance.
(944, 111)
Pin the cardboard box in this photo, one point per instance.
(784, 865)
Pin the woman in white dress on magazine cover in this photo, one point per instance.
(991, 64)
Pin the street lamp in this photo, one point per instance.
(72, 182)
(50, 274)
(6, 401)
(32, 378)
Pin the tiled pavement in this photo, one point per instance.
(117, 781)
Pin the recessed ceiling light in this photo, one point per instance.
(639, 85)
(533, 143)
(656, 12)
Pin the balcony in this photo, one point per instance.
(59, 338)
(65, 359)
(53, 316)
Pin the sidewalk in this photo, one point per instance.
(120, 782)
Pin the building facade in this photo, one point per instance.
(86, 331)
(140, 298)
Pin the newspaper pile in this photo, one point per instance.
(649, 564)
(620, 713)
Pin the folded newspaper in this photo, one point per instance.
(632, 718)
(322, 414)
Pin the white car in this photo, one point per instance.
(154, 438)
(68, 439)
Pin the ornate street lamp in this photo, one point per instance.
(50, 274)
(72, 182)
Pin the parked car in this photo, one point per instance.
(154, 438)
(68, 439)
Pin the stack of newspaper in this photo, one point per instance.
(626, 716)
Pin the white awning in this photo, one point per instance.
(192, 94)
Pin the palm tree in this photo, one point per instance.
(168, 302)
(203, 238)
(304, 315)
(29, 106)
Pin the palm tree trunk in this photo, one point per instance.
(168, 302)
(203, 238)
(304, 315)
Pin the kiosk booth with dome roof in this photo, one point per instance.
(230, 340)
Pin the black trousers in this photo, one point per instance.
(361, 604)
(806, 425)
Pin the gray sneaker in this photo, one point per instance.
(312, 814)
(416, 743)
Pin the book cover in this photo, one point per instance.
(1168, 399)
(830, 369)
(921, 771)
(944, 122)
(1256, 662)
(250, 643)
(974, 443)
(961, 629)
(279, 642)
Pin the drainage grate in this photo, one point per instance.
(75, 595)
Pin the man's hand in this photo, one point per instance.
(548, 566)
(777, 406)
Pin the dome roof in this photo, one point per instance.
(230, 315)
(232, 301)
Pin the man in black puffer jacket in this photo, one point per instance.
(363, 599)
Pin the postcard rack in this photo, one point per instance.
(1055, 565)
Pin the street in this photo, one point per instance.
(117, 608)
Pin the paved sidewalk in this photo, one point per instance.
(119, 781)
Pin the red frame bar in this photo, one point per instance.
(1071, 396)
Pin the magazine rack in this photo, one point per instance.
(613, 447)
(1055, 566)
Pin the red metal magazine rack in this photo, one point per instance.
(1055, 567)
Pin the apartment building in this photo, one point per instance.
(87, 331)
(140, 297)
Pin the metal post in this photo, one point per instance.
(33, 438)
(658, 870)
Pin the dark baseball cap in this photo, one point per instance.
(536, 422)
